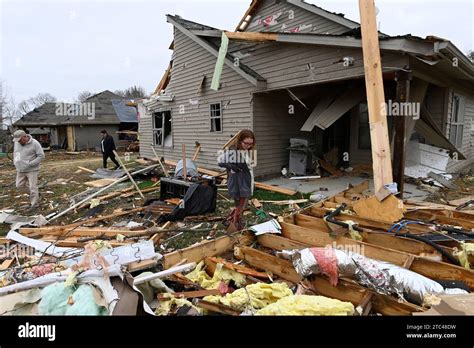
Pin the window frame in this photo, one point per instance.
(457, 121)
(162, 128)
(213, 117)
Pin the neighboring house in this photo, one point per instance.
(77, 127)
(302, 75)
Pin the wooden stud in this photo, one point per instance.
(381, 157)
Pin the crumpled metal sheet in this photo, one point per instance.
(383, 277)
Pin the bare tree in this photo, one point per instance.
(83, 96)
(132, 92)
(470, 55)
(30, 104)
(8, 110)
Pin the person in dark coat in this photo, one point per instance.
(240, 179)
(107, 146)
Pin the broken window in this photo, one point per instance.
(216, 117)
(363, 141)
(162, 135)
(457, 121)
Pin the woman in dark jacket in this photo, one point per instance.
(240, 180)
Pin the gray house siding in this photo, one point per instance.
(191, 123)
(310, 22)
(289, 65)
(435, 102)
(88, 137)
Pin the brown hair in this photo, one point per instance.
(244, 134)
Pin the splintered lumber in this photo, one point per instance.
(86, 170)
(161, 163)
(82, 232)
(100, 182)
(251, 36)
(61, 229)
(87, 199)
(238, 268)
(259, 185)
(231, 141)
(200, 251)
(217, 308)
(128, 174)
(461, 201)
(196, 153)
(375, 95)
(346, 290)
(141, 265)
(429, 268)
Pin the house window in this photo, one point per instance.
(363, 134)
(457, 122)
(216, 117)
(162, 129)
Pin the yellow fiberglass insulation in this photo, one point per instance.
(221, 274)
(166, 306)
(255, 296)
(308, 305)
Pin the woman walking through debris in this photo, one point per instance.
(240, 180)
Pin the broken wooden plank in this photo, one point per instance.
(217, 308)
(200, 251)
(128, 174)
(100, 182)
(86, 170)
(139, 266)
(238, 268)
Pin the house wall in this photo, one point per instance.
(289, 65)
(435, 101)
(191, 123)
(90, 137)
(274, 126)
(307, 21)
(468, 131)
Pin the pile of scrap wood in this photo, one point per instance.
(329, 259)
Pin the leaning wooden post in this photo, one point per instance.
(128, 174)
(375, 96)
(185, 173)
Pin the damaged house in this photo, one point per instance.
(293, 70)
(77, 127)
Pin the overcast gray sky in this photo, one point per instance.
(64, 47)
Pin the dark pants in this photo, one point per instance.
(111, 155)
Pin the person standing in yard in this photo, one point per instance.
(108, 146)
(240, 179)
(27, 156)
